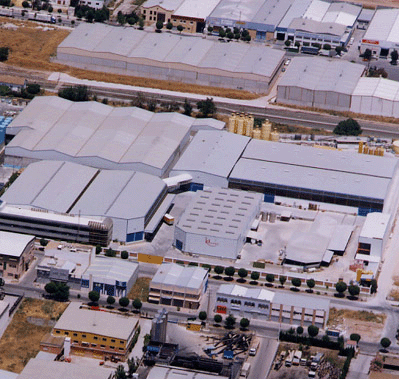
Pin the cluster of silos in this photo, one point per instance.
(242, 123)
(365, 149)
(395, 146)
(268, 216)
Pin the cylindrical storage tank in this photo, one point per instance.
(395, 146)
(275, 136)
(249, 126)
(232, 123)
(257, 133)
(360, 151)
(272, 217)
(265, 215)
(266, 130)
(240, 125)
(366, 150)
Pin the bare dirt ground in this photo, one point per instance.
(21, 340)
(140, 289)
(375, 3)
(368, 324)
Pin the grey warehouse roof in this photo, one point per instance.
(45, 369)
(384, 26)
(189, 53)
(110, 270)
(212, 152)
(97, 134)
(172, 274)
(159, 372)
(66, 187)
(316, 73)
(312, 26)
(100, 323)
(220, 212)
(14, 244)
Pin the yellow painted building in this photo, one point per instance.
(96, 333)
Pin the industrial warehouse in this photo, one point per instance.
(135, 202)
(319, 83)
(360, 182)
(170, 57)
(216, 222)
(97, 135)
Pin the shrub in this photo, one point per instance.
(355, 337)
(110, 300)
(218, 270)
(299, 330)
(385, 342)
(110, 253)
(94, 296)
(230, 322)
(255, 275)
(98, 249)
(137, 304)
(202, 316)
(313, 330)
(218, 318)
(354, 290)
(282, 279)
(124, 302)
(244, 323)
(341, 287)
(242, 273)
(296, 282)
(229, 271)
(124, 254)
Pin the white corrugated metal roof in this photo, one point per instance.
(14, 244)
(159, 372)
(241, 291)
(316, 10)
(375, 226)
(169, 5)
(384, 26)
(196, 9)
(172, 274)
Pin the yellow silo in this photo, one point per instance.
(232, 128)
(257, 133)
(275, 136)
(240, 124)
(266, 130)
(395, 146)
(360, 151)
(249, 127)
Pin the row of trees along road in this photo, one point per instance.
(124, 302)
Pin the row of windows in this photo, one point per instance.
(105, 339)
(86, 344)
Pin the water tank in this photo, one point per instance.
(264, 215)
(272, 217)
(240, 125)
(249, 126)
(266, 130)
(275, 136)
(395, 146)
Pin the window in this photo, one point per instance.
(93, 345)
(102, 346)
(95, 337)
(150, 12)
(75, 341)
(57, 331)
(144, 11)
(104, 339)
(66, 333)
(112, 347)
(75, 334)
(84, 336)
(112, 340)
(121, 348)
(121, 342)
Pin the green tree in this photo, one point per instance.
(299, 330)
(187, 108)
(43, 242)
(247, 38)
(310, 283)
(222, 33)
(210, 29)
(120, 372)
(244, 33)
(137, 304)
(179, 28)
(282, 279)
(327, 46)
(33, 88)
(90, 15)
(230, 322)
(354, 290)
(124, 302)
(50, 288)
(242, 273)
(94, 296)
(270, 278)
(132, 366)
(202, 316)
(110, 252)
(230, 35)
(206, 107)
(25, 4)
(218, 318)
(110, 300)
(121, 18)
(244, 323)
(385, 342)
(124, 254)
(159, 26)
(169, 26)
(367, 55)
(237, 36)
(297, 44)
(339, 50)
(255, 275)
(341, 287)
(394, 56)
(296, 282)
(218, 270)
(287, 42)
(50, 10)
(77, 93)
(355, 337)
(98, 249)
(141, 23)
(313, 331)
(373, 286)
(349, 127)
(229, 271)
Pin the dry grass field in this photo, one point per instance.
(21, 340)
(32, 47)
(140, 289)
